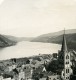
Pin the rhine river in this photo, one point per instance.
(26, 49)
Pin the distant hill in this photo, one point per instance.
(57, 38)
(5, 42)
(18, 39)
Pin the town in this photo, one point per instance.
(58, 66)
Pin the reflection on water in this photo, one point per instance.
(25, 49)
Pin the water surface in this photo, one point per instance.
(25, 49)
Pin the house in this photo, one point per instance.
(47, 76)
(10, 68)
(40, 69)
(28, 73)
(21, 75)
(53, 77)
(15, 74)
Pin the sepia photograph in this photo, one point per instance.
(37, 39)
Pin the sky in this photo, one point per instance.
(31, 18)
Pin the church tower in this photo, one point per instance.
(64, 60)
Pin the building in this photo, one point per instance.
(53, 77)
(28, 73)
(21, 75)
(12, 67)
(64, 60)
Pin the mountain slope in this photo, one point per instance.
(18, 39)
(57, 38)
(4, 42)
(70, 31)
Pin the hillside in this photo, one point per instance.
(5, 42)
(18, 39)
(57, 38)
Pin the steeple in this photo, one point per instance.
(64, 45)
(64, 60)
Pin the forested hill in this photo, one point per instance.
(5, 42)
(57, 38)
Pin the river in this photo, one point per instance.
(25, 49)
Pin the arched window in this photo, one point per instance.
(67, 62)
(67, 57)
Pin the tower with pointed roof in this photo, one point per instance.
(64, 60)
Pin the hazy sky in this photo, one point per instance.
(34, 17)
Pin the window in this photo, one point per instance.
(68, 70)
(67, 62)
(67, 57)
(67, 77)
